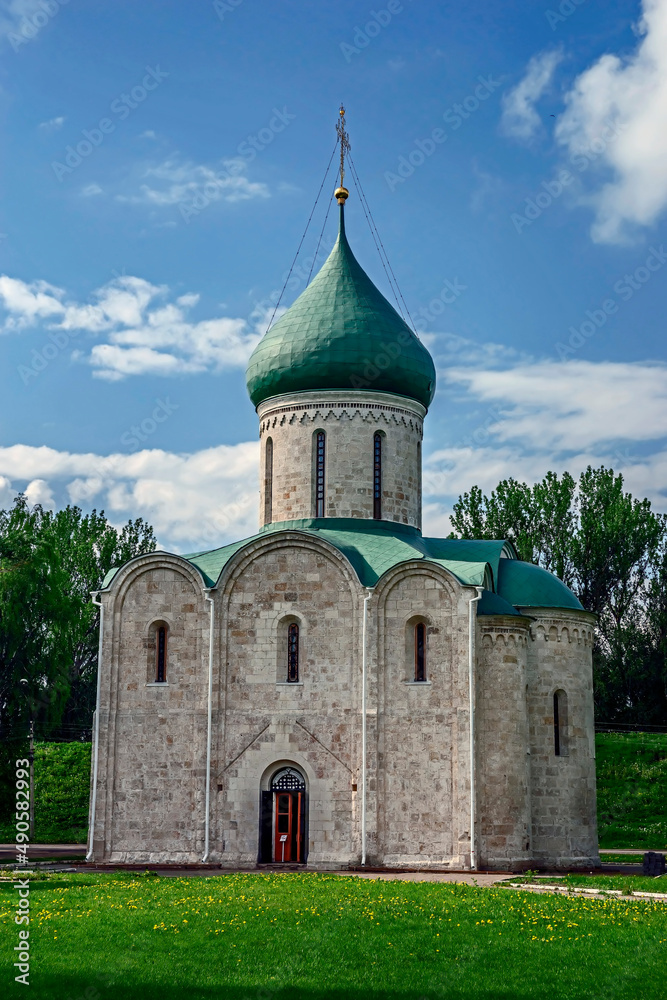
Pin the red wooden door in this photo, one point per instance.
(288, 821)
(282, 848)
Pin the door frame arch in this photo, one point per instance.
(295, 815)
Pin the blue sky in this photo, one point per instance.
(160, 161)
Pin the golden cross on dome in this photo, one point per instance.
(341, 192)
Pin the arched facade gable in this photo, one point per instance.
(417, 568)
(129, 573)
(275, 541)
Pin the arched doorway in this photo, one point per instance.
(283, 819)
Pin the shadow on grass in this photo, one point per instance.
(72, 987)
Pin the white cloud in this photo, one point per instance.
(632, 90)
(488, 188)
(450, 472)
(7, 494)
(570, 405)
(546, 415)
(180, 495)
(39, 492)
(535, 418)
(144, 332)
(53, 124)
(90, 190)
(176, 182)
(519, 118)
(27, 302)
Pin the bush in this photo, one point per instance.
(632, 789)
(62, 782)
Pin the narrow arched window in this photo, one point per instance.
(268, 481)
(320, 441)
(293, 653)
(377, 476)
(161, 654)
(420, 651)
(560, 724)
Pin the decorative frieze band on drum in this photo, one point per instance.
(317, 414)
(491, 635)
(340, 404)
(550, 631)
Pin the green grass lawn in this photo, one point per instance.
(325, 937)
(622, 859)
(622, 883)
(632, 789)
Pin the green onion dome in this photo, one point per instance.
(341, 333)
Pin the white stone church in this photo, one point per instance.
(339, 689)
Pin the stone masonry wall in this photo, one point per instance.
(503, 776)
(150, 799)
(349, 422)
(562, 788)
(423, 782)
(268, 722)
(152, 749)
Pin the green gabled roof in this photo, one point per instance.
(373, 547)
(528, 586)
(492, 604)
(109, 577)
(341, 333)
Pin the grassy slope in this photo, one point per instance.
(632, 789)
(311, 937)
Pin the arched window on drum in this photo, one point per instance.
(320, 482)
(268, 481)
(377, 475)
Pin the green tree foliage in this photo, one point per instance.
(36, 619)
(610, 548)
(49, 564)
(88, 548)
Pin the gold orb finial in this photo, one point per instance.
(341, 195)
